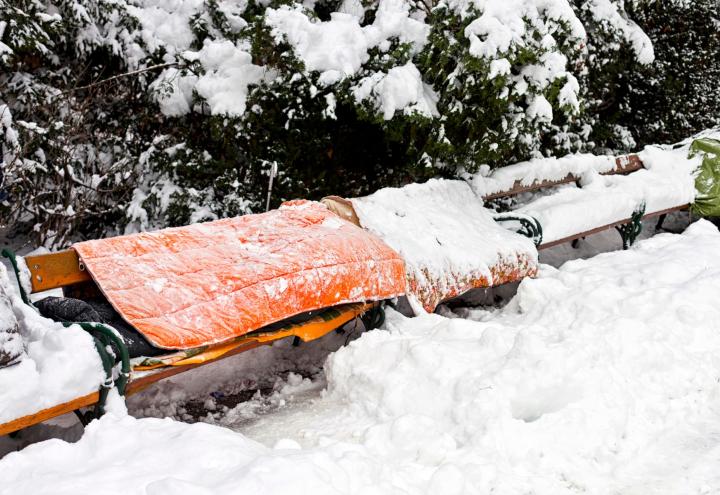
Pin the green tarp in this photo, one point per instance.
(707, 183)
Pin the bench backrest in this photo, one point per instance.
(55, 270)
(623, 165)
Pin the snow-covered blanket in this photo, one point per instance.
(599, 377)
(61, 364)
(449, 242)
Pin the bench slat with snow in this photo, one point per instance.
(592, 197)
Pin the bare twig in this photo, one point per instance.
(119, 76)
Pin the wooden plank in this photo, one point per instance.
(608, 226)
(136, 385)
(49, 413)
(54, 270)
(626, 164)
(518, 187)
(623, 165)
(146, 378)
(139, 381)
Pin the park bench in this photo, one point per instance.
(308, 272)
(572, 213)
(245, 277)
(449, 221)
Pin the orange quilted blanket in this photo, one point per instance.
(206, 283)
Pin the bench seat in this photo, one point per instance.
(597, 202)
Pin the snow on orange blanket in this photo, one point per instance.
(205, 283)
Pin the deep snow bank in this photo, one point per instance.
(600, 377)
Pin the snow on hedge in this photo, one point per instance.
(339, 48)
(600, 376)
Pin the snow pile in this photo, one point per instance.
(12, 349)
(120, 454)
(449, 242)
(61, 363)
(582, 165)
(667, 181)
(599, 377)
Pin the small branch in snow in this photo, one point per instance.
(120, 76)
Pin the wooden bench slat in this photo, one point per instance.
(141, 382)
(609, 226)
(623, 165)
(49, 413)
(55, 270)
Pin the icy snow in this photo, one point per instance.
(599, 377)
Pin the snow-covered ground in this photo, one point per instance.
(598, 377)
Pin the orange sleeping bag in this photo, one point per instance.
(206, 283)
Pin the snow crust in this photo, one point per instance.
(445, 236)
(599, 377)
(61, 363)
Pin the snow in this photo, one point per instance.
(337, 48)
(445, 236)
(667, 181)
(224, 85)
(229, 72)
(11, 346)
(504, 24)
(61, 363)
(400, 89)
(598, 377)
(609, 13)
(579, 165)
